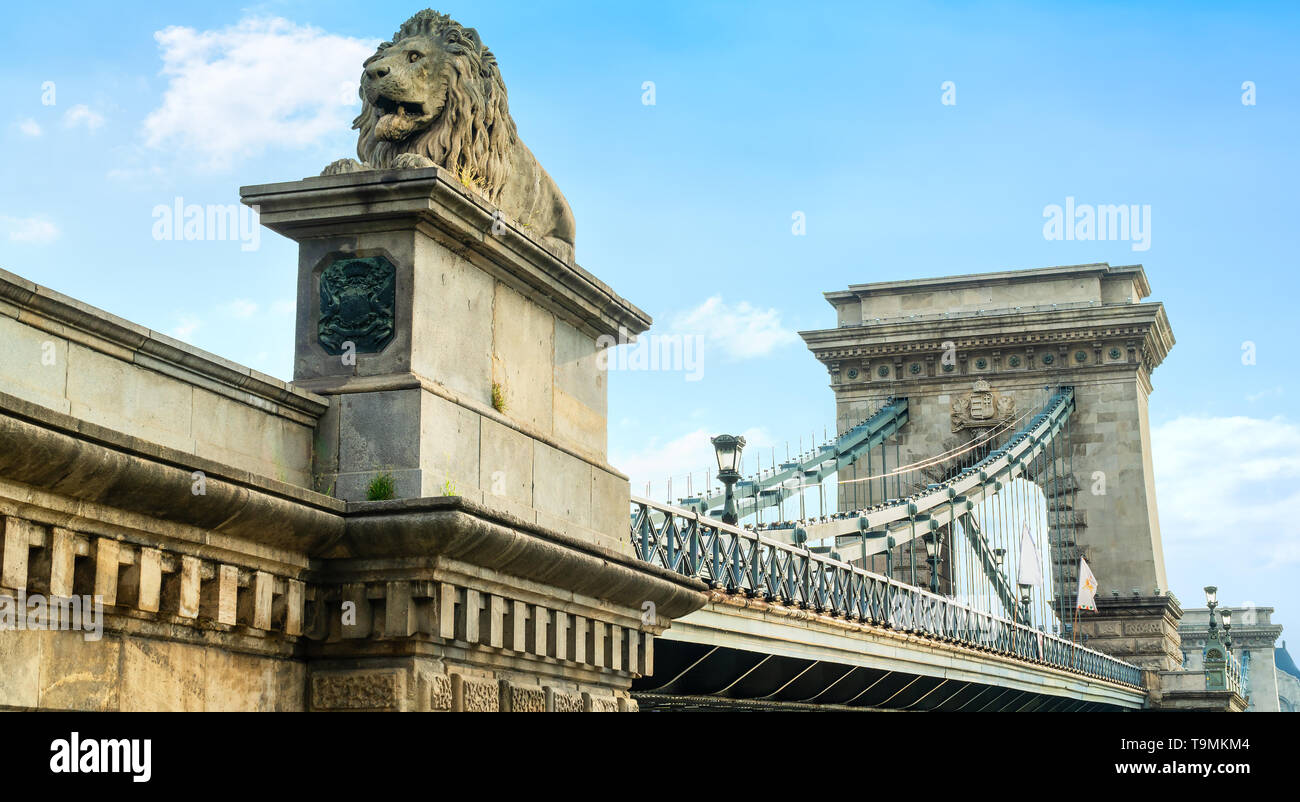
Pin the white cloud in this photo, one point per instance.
(1262, 394)
(82, 115)
(186, 328)
(262, 82)
(739, 331)
(1229, 483)
(241, 308)
(689, 453)
(34, 230)
(284, 308)
(29, 127)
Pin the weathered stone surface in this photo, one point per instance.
(218, 597)
(38, 364)
(20, 655)
(523, 336)
(358, 690)
(474, 696)
(600, 704)
(440, 697)
(14, 559)
(76, 674)
(162, 675)
(522, 699)
(561, 702)
(234, 682)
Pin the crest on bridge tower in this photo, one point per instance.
(981, 408)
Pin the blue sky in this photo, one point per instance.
(685, 206)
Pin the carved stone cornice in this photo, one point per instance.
(1145, 325)
(463, 220)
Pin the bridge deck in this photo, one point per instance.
(738, 652)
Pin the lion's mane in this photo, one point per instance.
(474, 133)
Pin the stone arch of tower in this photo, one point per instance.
(1017, 335)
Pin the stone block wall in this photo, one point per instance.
(72, 358)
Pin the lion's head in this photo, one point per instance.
(436, 91)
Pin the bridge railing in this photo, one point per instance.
(1233, 675)
(741, 561)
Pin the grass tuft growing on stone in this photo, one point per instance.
(381, 487)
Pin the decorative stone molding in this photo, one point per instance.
(522, 699)
(358, 690)
(1142, 630)
(160, 583)
(981, 408)
(445, 612)
(474, 696)
(356, 305)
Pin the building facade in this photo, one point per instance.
(1254, 638)
(1288, 680)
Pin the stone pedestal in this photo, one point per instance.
(461, 354)
(459, 357)
(1142, 630)
(1186, 691)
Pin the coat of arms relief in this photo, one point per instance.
(981, 408)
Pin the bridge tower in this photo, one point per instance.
(940, 342)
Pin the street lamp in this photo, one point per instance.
(728, 448)
(1212, 601)
(1227, 629)
(931, 540)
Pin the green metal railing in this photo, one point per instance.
(742, 561)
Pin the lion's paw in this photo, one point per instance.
(411, 161)
(343, 166)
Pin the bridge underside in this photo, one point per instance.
(726, 657)
(718, 678)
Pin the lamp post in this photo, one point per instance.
(1217, 649)
(932, 556)
(998, 556)
(727, 448)
(1026, 596)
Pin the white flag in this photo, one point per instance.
(1087, 587)
(1031, 564)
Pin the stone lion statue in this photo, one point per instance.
(434, 96)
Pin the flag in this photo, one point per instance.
(1087, 587)
(1031, 564)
